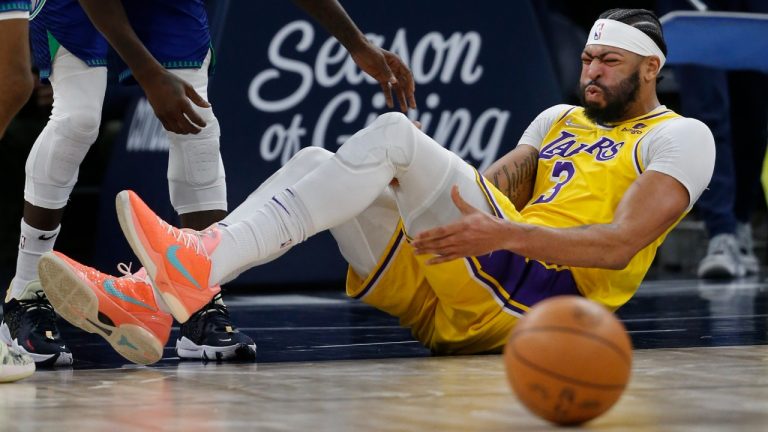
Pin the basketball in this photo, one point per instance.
(568, 359)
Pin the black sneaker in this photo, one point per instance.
(29, 325)
(210, 335)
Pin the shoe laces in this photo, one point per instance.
(215, 314)
(190, 238)
(723, 244)
(125, 271)
(39, 312)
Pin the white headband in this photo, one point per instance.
(617, 34)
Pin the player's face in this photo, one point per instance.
(610, 80)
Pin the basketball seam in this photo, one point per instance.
(602, 340)
(566, 378)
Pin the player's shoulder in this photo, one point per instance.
(684, 126)
(682, 133)
(554, 113)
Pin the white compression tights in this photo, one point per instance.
(54, 161)
(196, 180)
(350, 187)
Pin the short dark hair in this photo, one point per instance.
(641, 19)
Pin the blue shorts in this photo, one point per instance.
(64, 23)
(14, 6)
(174, 31)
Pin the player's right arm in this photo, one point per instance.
(514, 174)
(168, 94)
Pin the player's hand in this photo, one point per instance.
(170, 98)
(476, 233)
(391, 73)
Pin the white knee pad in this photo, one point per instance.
(54, 161)
(196, 179)
(390, 139)
(425, 170)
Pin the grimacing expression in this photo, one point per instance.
(616, 100)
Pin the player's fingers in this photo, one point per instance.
(386, 88)
(442, 259)
(184, 124)
(408, 88)
(440, 246)
(464, 207)
(401, 97)
(434, 233)
(193, 116)
(195, 97)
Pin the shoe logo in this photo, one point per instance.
(100, 327)
(286, 243)
(124, 341)
(172, 255)
(570, 123)
(111, 289)
(44, 237)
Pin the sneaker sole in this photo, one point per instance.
(41, 360)
(161, 282)
(79, 305)
(15, 373)
(186, 349)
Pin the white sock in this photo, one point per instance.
(280, 223)
(32, 244)
(331, 194)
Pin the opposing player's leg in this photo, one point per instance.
(52, 168)
(198, 193)
(15, 70)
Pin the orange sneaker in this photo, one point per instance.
(177, 260)
(122, 310)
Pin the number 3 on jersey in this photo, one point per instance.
(562, 173)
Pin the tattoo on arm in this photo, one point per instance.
(516, 182)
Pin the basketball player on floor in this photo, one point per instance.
(71, 52)
(15, 87)
(578, 207)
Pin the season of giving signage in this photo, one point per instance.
(283, 83)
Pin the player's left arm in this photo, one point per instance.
(679, 168)
(650, 206)
(384, 66)
(170, 97)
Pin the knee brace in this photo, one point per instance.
(196, 179)
(55, 158)
(54, 161)
(390, 140)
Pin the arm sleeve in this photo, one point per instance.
(683, 148)
(537, 130)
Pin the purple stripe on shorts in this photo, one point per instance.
(526, 282)
(382, 267)
(490, 197)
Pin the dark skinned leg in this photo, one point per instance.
(202, 219)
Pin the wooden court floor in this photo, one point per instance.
(329, 364)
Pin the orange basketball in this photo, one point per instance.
(568, 359)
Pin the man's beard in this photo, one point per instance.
(616, 102)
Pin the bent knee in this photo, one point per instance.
(313, 155)
(17, 86)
